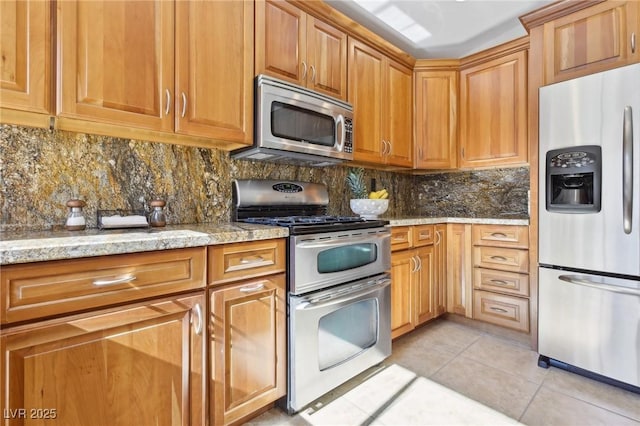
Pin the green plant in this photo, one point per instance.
(355, 182)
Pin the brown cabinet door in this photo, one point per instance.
(398, 119)
(402, 306)
(365, 94)
(248, 348)
(436, 119)
(326, 59)
(493, 112)
(440, 269)
(459, 269)
(281, 40)
(214, 70)
(116, 62)
(591, 40)
(25, 69)
(425, 284)
(145, 362)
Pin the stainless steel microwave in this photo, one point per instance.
(297, 125)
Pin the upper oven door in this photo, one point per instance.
(321, 260)
(295, 119)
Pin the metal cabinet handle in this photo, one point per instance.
(197, 310)
(252, 288)
(503, 311)
(438, 238)
(499, 234)
(419, 263)
(633, 42)
(313, 73)
(414, 262)
(168, 104)
(499, 282)
(256, 259)
(117, 280)
(627, 169)
(304, 70)
(500, 258)
(184, 105)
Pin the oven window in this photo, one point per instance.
(344, 333)
(299, 124)
(346, 257)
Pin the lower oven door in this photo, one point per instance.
(336, 334)
(321, 260)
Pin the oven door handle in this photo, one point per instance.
(341, 241)
(345, 295)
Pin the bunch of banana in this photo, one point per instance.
(379, 195)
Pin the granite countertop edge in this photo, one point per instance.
(27, 247)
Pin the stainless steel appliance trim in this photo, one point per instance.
(336, 297)
(303, 251)
(575, 279)
(627, 169)
(306, 382)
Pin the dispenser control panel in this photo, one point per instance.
(573, 159)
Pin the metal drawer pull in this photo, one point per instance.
(250, 288)
(184, 105)
(304, 70)
(633, 42)
(499, 234)
(198, 311)
(500, 258)
(117, 280)
(502, 311)
(256, 259)
(499, 282)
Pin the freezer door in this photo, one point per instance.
(591, 110)
(591, 322)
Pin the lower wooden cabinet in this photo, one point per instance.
(143, 364)
(459, 269)
(248, 347)
(417, 276)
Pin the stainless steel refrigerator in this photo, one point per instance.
(589, 226)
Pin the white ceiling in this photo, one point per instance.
(441, 28)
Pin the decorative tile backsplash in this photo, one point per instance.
(41, 169)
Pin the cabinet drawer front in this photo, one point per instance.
(505, 311)
(44, 289)
(502, 281)
(231, 262)
(401, 238)
(501, 236)
(422, 235)
(501, 258)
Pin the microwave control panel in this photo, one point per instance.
(348, 135)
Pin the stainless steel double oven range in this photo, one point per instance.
(338, 295)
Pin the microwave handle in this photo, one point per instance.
(343, 133)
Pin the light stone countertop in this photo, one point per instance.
(434, 220)
(26, 247)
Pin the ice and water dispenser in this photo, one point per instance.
(574, 177)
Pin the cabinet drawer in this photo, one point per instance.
(422, 235)
(401, 238)
(501, 236)
(502, 281)
(43, 289)
(231, 262)
(501, 258)
(505, 311)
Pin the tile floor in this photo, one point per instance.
(453, 374)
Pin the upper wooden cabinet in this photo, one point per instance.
(297, 47)
(493, 111)
(436, 121)
(25, 47)
(158, 65)
(591, 40)
(380, 90)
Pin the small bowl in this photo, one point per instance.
(368, 208)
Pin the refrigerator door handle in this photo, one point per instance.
(608, 287)
(627, 169)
